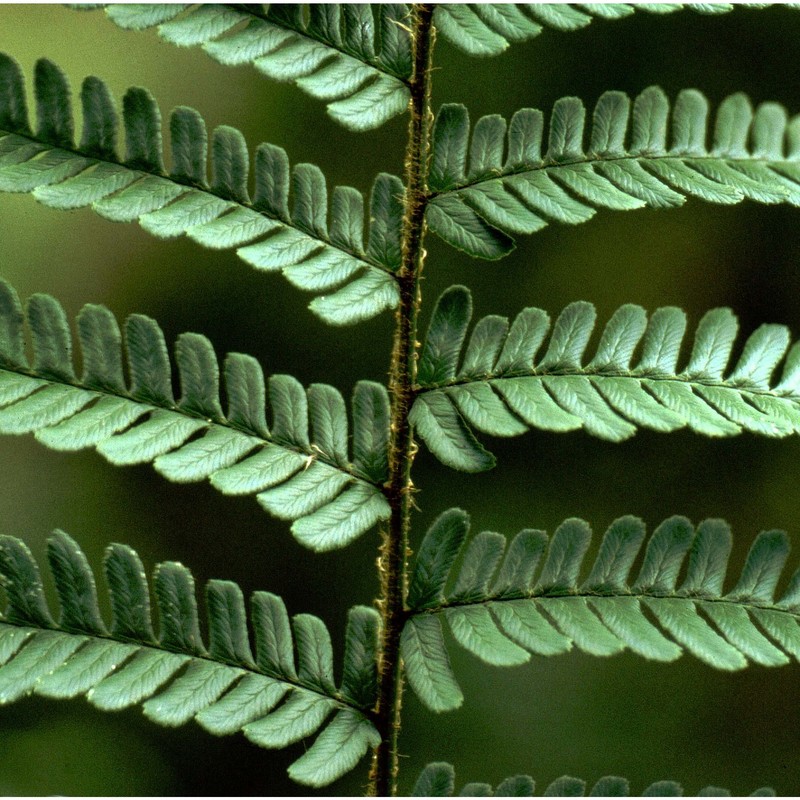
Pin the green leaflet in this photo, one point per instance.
(487, 29)
(225, 687)
(443, 429)
(436, 557)
(359, 679)
(445, 338)
(355, 58)
(337, 749)
(502, 183)
(298, 472)
(319, 249)
(508, 379)
(438, 780)
(427, 664)
(461, 227)
(502, 603)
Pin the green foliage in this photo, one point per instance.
(175, 674)
(503, 385)
(438, 780)
(476, 186)
(487, 29)
(313, 252)
(634, 159)
(502, 606)
(296, 474)
(356, 58)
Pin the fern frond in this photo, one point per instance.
(502, 607)
(316, 251)
(499, 184)
(356, 58)
(487, 29)
(503, 385)
(176, 675)
(308, 477)
(439, 780)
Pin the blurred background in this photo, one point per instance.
(571, 714)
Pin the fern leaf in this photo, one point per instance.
(438, 779)
(317, 251)
(496, 184)
(501, 383)
(297, 472)
(428, 666)
(223, 684)
(355, 58)
(487, 29)
(503, 604)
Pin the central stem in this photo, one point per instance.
(392, 560)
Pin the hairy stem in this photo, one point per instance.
(392, 559)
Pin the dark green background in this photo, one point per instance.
(571, 714)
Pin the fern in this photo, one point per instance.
(487, 29)
(337, 474)
(500, 386)
(481, 200)
(438, 780)
(308, 478)
(474, 206)
(501, 607)
(219, 213)
(177, 677)
(357, 58)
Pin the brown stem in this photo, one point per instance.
(392, 559)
